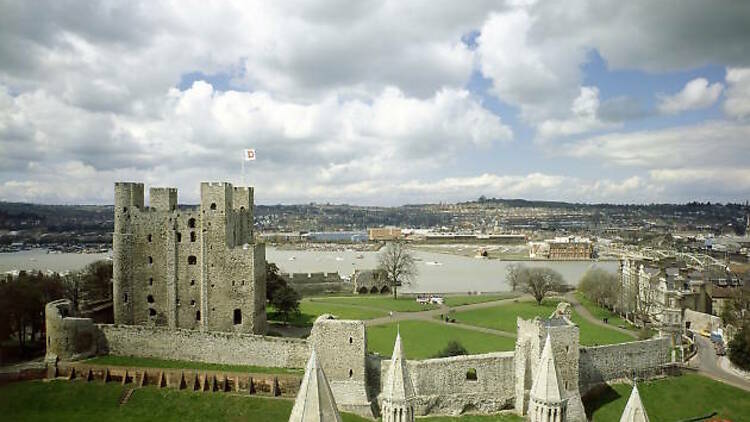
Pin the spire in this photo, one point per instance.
(315, 402)
(398, 386)
(546, 387)
(634, 410)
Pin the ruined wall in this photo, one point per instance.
(211, 347)
(68, 338)
(622, 361)
(341, 346)
(444, 387)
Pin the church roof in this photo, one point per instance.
(315, 402)
(398, 386)
(546, 385)
(634, 410)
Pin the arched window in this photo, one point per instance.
(191, 223)
(179, 237)
(213, 206)
(125, 298)
(192, 236)
(150, 298)
(149, 238)
(151, 281)
(150, 260)
(151, 312)
(192, 302)
(197, 315)
(192, 260)
(237, 316)
(471, 374)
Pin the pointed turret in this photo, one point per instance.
(546, 398)
(398, 391)
(634, 410)
(315, 402)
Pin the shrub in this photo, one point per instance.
(453, 348)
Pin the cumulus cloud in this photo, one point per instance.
(696, 94)
(584, 117)
(737, 103)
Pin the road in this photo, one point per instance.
(707, 364)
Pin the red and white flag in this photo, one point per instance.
(249, 154)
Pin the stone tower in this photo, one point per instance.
(315, 402)
(546, 401)
(634, 410)
(196, 268)
(396, 400)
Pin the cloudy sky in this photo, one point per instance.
(377, 102)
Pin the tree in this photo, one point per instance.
(397, 263)
(540, 281)
(739, 348)
(453, 348)
(601, 287)
(512, 275)
(274, 281)
(285, 301)
(92, 283)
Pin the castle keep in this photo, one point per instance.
(197, 268)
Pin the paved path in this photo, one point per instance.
(585, 314)
(707, 364)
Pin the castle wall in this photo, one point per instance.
(622, 361)
(68, 338)
(203, 346)
(442, 386)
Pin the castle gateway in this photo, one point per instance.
(197, 268)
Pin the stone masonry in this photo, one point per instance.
(188, 268)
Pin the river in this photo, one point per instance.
(439, 273)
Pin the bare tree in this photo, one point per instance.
(397, 262)
(540, 281)
(513, 275)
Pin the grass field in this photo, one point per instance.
(383, 302)
(309, 310)
(503, 318)
(180, 364)
(675, 398)
(424, 339)
(78, 401)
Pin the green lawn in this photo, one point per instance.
(79, 401)
(503, 318)
(423, 339)
(601, 313)
(675, 398)
(180, 364)
(468, 300)
(310, 310)
(381, 302)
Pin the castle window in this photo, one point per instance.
(351, 373)
(242, 208)
(192, 236)
(567, 349)
(124, 209)
(213, 206)
(192, 260)
(197, 315)
(150, 260)
(471, 374)
(237, 316)
(149, 238)
(150, 299)
(151, 312)
(192, 302)
(151, 281)
(191, 223)
(125, 298)
(192, 282)
(179, 237)
(351, 340)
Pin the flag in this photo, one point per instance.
(249, 155)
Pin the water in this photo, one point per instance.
(440, 273)
(39, 259)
